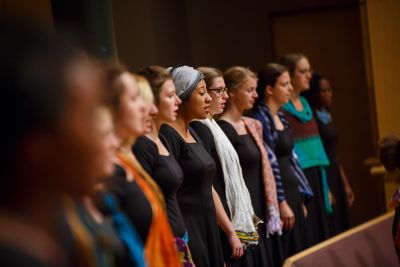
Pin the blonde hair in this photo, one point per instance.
(145, 91)
(235, 77)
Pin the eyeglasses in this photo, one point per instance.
(218, 91)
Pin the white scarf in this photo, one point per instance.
(238, 198)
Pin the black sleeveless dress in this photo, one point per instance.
(195, 197)
(330, 136)
(167, 173)
(250, 161)
(295, 240)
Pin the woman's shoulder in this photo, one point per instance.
(171, 139)
(167, 129)
(252, 122)
(143, 143)
(201, 130)
(229, 130)
(204, 134)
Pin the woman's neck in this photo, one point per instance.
(272, 105)
(127, 143)
(181, 124)
(155, 129)
(233, 113)
(127, 140)
(295, 95)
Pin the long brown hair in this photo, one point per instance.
(291, 60)
(267, 76)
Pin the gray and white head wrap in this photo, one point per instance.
(186, 80)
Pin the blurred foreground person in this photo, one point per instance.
(50, 148)
(138, 195)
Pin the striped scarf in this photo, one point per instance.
(263, 114)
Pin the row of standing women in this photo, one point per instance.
(166, 169)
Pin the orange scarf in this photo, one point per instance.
(160, 249)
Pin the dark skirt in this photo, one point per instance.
(295, 240)
(339, 218)
(317, 221)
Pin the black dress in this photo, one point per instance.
(132, 201)
(295, 240)
(219, 184)
(329, 136)
(250, 161)
(195, 197)
(166, 171)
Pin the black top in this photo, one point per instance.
(199, 171)
(166, 171)
(329, 135)
(132, 201)
(195, 197)
(330, 138)
(284, 144)
(250, 161)
(295, 240)
(208, 140)
(283, 151)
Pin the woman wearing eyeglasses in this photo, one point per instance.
(229, 183)
(308, 147)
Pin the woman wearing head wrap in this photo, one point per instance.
(195, 196)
